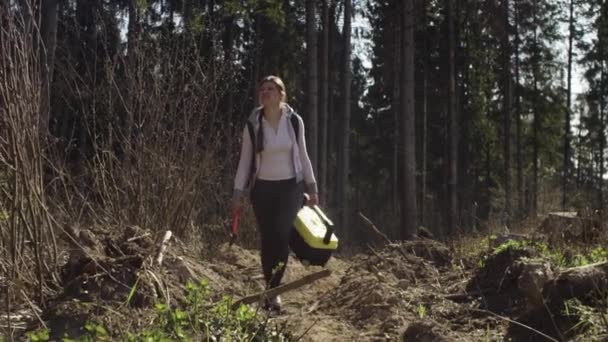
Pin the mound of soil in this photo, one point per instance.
(109, 277)
(373, 293)
(571, 301)
(435, 252)
(384, 290)
(496, 280)
(400, 262)
(105, 267)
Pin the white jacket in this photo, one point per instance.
(243, 181)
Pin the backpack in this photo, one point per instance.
(296, 128)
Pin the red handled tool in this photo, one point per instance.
(234, 233)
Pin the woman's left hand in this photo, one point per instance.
(313, 199)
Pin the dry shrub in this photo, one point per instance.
(28, 250)
(152, 150)
(141, 142)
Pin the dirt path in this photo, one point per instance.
(374, 296)
(302, 308)
(398, 292)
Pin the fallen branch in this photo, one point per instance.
(135, 238)
(461, 296)
(517, 323)
(8, 306)
(373, 250)
(34, 308)
(163, 247)
(307, 330)
(374, 228)
(282, 289)
(158, 285)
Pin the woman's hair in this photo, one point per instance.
(278, 82)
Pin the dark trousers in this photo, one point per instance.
(275, 205)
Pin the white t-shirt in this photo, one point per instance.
(276, 160)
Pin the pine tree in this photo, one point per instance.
(409, 220)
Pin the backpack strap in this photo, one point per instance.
(253, 144)
(296, 125)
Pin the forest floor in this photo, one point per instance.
(408, 291)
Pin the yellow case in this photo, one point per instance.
(310, 226)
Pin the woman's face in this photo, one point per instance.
(269, 94)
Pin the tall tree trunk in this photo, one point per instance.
(486, 204)
(312, 83)
(133, 32)
(234, 124)
(187, 15)
(86, 67)
(208, 41)
(133, 36)
(344, 153)
(602, 135)
(333, 140)
(323, 101)
(602, 105)
(519, 155)
(452, 124)
(566, 165)
(409, 220)
(424, 90)
(257, 31)
(357, 180)
(397, 110)
(465, 171)
(229, 24)
(506, 75)
(536, 118)
(27, 10)
(43, 43)
(580, 169)
(47, 59)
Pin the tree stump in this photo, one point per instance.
(532, 279)
(583, 282)
(569, 226)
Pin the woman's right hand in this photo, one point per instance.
(237, 206)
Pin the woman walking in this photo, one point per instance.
(276, 169)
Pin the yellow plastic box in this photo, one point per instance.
(313, 239)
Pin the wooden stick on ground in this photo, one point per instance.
(34, 308)
(463, 296)
(376, 230)
(283, 288)
(163, 247)
(517, 323)
(138, 237)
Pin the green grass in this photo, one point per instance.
(195, 321)
(555, 255)
(590, 321)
